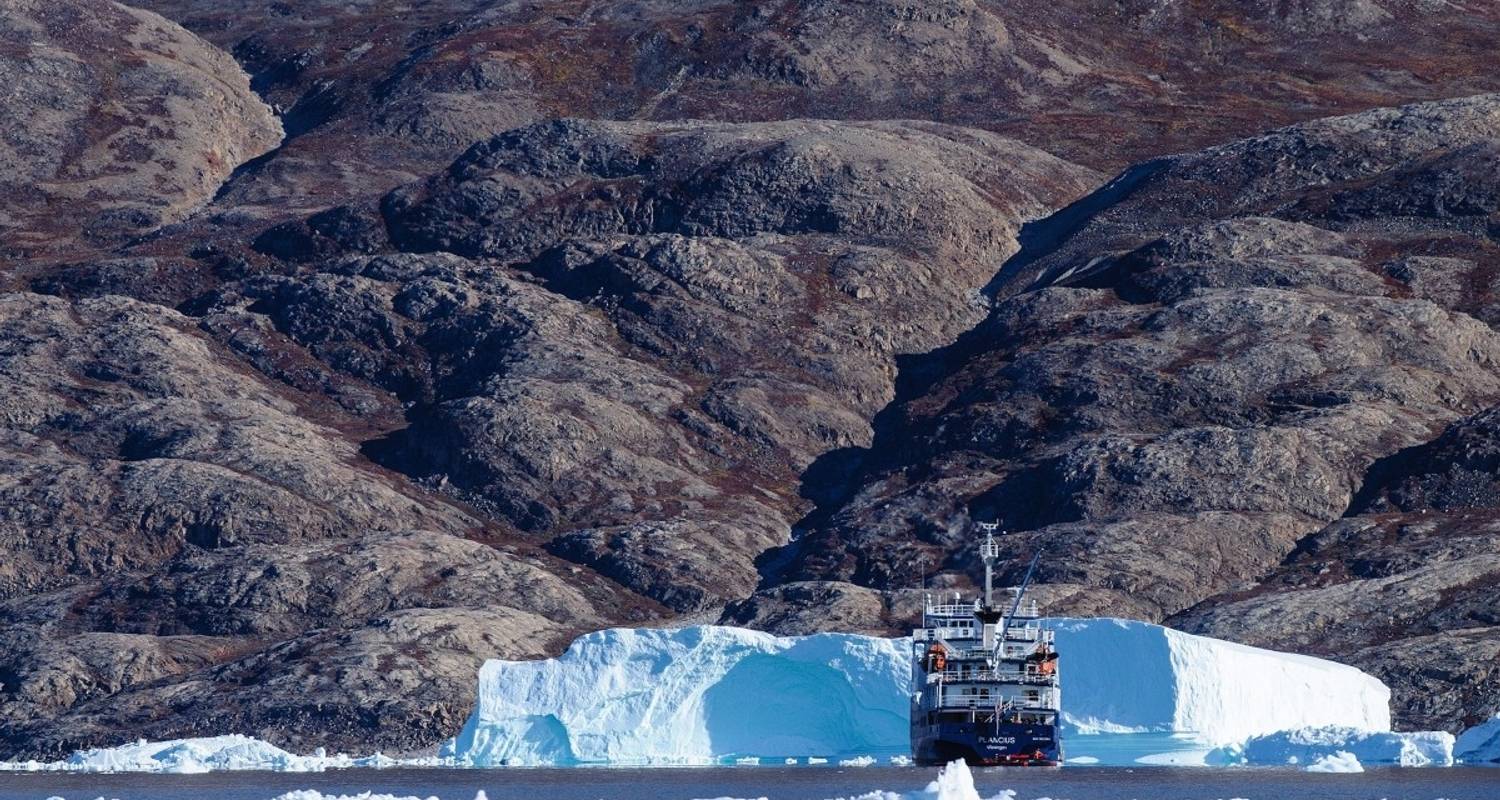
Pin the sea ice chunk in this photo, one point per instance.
(208, 754)
(314, 794)
(1309, 745)
(954, 782)
(1338, 761)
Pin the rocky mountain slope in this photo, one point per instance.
(1194, 370)
(372, 100)
(130, 122)
(548, 317)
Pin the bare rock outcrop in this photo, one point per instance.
(180, 534)
(701, 312)
(371, 101)
(131, 122)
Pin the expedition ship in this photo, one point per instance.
(985, 682)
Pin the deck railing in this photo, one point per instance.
(986, 676)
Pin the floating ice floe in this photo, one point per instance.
(1479, 744)
(1310, 745)
(208, 754)
(953, 782)
(313, 794)
(713, 694)
(1340, 761)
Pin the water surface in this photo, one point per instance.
(776, 783)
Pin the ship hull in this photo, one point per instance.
(987, 744)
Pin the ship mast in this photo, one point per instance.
(989, 551)
(988, 615)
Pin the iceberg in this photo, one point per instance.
(954, 782)
(1479, 744)
(1311, 745)
(692, 696)
(712, 694)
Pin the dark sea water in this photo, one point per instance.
(776, 783)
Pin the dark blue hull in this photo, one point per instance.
(986, 744)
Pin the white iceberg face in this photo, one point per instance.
(713, 694)
(1121, 676)
(1479, 744)
(693, 695)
